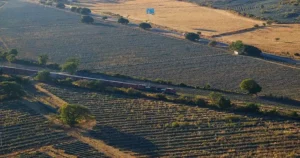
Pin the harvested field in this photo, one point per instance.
(178, 15)
(184, 16)
(23, 129)
(160, 129)
(108, 47)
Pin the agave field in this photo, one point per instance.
(108, 47)
(23, 129)
(159, 129)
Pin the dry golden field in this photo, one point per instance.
(184, 16)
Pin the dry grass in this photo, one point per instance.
(183, 16)
(265, 38)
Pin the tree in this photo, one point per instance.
(145, 26)
(122, 20)
(73, 9)
(43, 59)
(214, 97)
(13, 52)
(11, 57)
(251, 86)
(43, 76)
(87, 19)
(219, 100)
(72, 114)
(78, 10)
(70, 66)
(237, 46)
(85, 11)
(192, 36)
(11, 89)
(60, 5)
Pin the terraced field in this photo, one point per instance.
(154, 128)
(108, 47)
(23, 129)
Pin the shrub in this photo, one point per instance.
(219, 100)
(11, 58)
(74, 9)
(212, 43)
(87, 19)
(60, 6)
(145, 26)
(42, 59)
(161, 96)
(85, 11)
(133, 92)
(251, 86)
(72, 114)
(224, 103)
(237, 46)
(199, 101)
(183, 85)
(192, 36)
(256, 25)
(70, 66)
(214, 97)
(297, 54)
(122, 20)
(96, 85)
(104, 17)
(43, 76)
(78, 10)
(11, 90)
(251, 108)
(13, 52)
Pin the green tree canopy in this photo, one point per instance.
(72, 114)
(71, 65)
(11, 57)
(43, 76)
(251, 86)
(14, 52)
(11, 90)
(43, 59)
(237, 46)
(85, 11)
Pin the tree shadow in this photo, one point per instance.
(281, 99)
(207, 30)
(103, 24)
(124, 141)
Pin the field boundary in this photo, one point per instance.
(97, 144)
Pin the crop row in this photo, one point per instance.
(112, 48)
(155, 128)
(22, 128)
